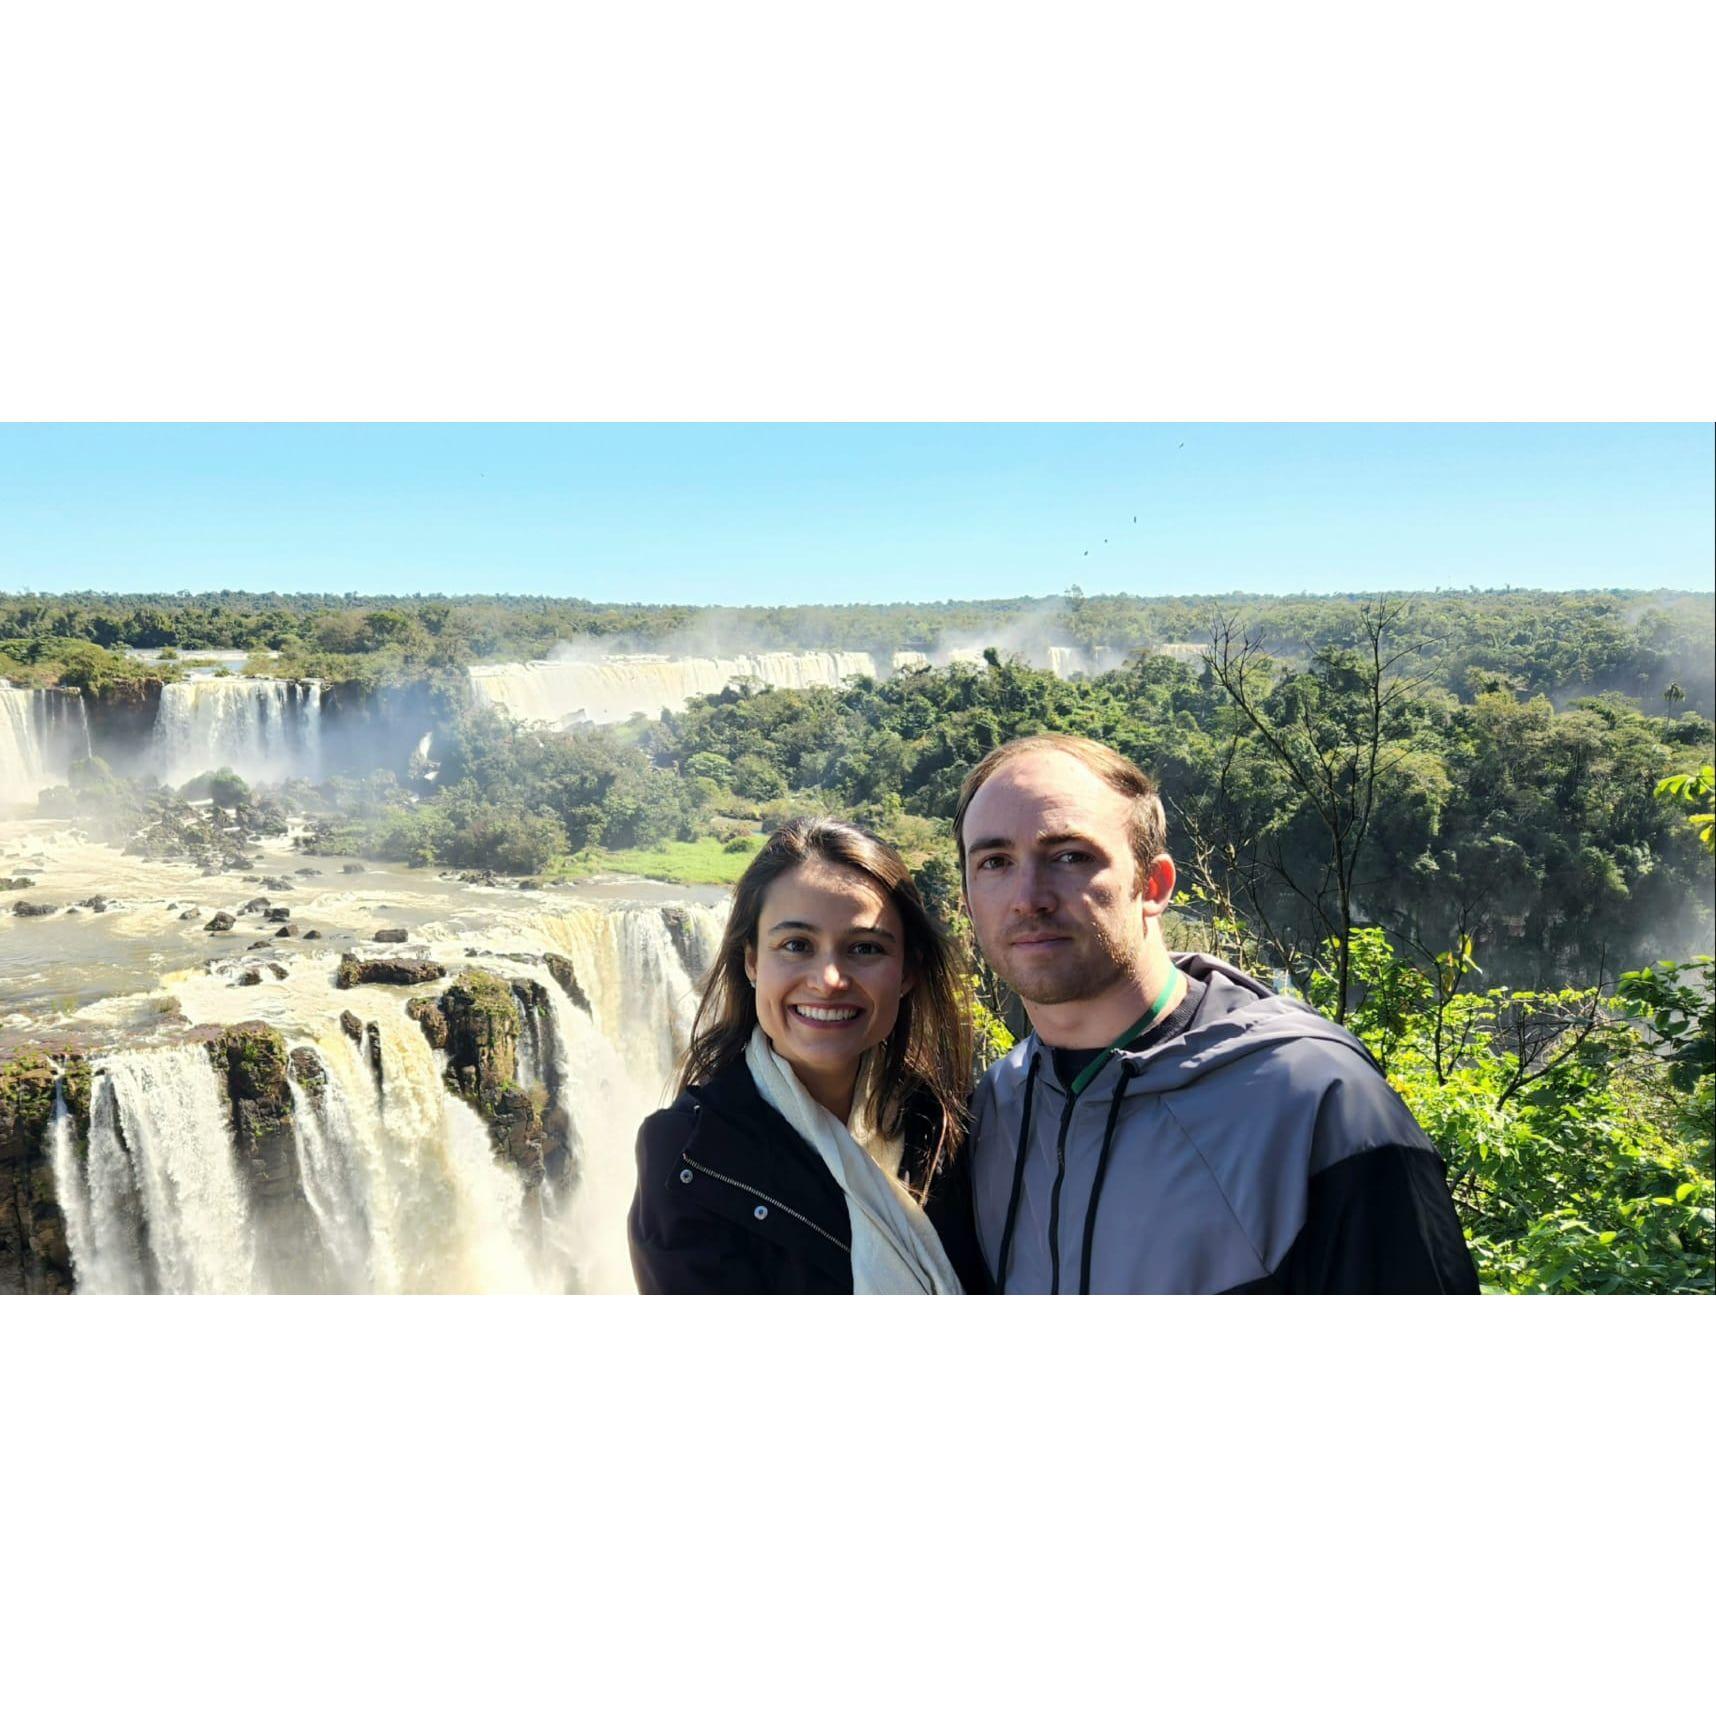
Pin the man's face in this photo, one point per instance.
(1051, 880)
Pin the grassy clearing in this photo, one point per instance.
(692, 862)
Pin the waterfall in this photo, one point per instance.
(402, 1190)
(323, 1130)
(159, 1202)
(609, 1070)
(41, 734)
(266, 730)
(620, 686)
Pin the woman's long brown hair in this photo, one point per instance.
(928, 1052)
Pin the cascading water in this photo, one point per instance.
(41, 734)
(393, 1183)
(160, 1203)
(620, 686)
(267, 730)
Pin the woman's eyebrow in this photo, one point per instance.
(816, 929)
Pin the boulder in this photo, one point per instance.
(312, 935)
(247, 978)
(285, 929)
(391, 935)
(95, 903)
(277, 914)
(7, 882)
(259, 904)
(351, 869)
(352, 1025)
(31, 909)
(221, 921)
(426, 1010)
(354, 970)
(189, 916)
(560, 968)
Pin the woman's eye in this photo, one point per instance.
(993, 862)
(868, 948)
(794, 944)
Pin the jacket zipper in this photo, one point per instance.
(1055, 1198)
(768, 1197)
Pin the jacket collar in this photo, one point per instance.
(740, 1135)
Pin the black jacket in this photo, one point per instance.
(731, 1200)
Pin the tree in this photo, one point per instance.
(1329, 738)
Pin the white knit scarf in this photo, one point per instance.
(894, 1246)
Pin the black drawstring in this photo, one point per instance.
(1101, 1170)
(1018, 1177)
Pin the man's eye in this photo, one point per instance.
(1072, 858)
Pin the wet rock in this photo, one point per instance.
(277, 969)
(95, 903)
(354, 970)
(312, 935)
(306, 872)
(31, 909)
(7, 882)
(306, 1067)
(285, 929)
(251, 1058)
(483, 1022)
(392, 935)
(277, 914)
(679, 932)
(190, 916)
(351, 869)
(221, 921)
(259, 904)
(352, 1025)
(426, 1010)
(560, 968)
(34, 1255)
(279, 884)
(257, 946)
(247, 977)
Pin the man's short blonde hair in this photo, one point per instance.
(1148, 825)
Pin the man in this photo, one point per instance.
(1170, 1125)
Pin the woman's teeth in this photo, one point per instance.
(827, 1015)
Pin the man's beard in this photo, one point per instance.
(1088, 966)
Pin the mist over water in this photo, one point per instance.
(42, 733)
(266, 730)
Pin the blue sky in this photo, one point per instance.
(850, 513)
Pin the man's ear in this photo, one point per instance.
(1159, 886)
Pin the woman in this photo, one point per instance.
(814, 1145)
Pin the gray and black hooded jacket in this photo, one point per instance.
(1260, 1150)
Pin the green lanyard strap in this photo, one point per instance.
(1173, 992)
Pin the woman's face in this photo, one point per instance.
(829, 968)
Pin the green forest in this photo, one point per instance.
(1473, 827)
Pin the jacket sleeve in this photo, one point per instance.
(675, 1247)
(1379, 1221)
(949, 1208)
